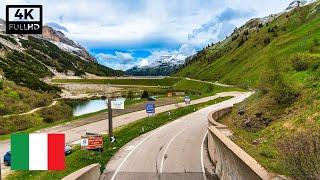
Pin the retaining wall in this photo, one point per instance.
(91, 172)
(230, 160)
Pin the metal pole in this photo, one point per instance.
(110, 118)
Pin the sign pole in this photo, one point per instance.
(110, 118)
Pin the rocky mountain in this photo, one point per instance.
(59, 39)
(28, 59)
(66, 44)
(163, 66)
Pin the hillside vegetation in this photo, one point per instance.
(280, 60)
(28, 66)
(16, 99)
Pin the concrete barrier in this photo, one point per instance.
(91, 172)
(230, 160)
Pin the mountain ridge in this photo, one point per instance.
(28, 59)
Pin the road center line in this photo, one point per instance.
(125, 159)
(201, 153)
(165, 150)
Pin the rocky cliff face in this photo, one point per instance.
(66, 44)
(59, 39)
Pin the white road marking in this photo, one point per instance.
(125, 159)
(202, 164)
(165, 151)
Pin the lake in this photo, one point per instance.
(81, 107)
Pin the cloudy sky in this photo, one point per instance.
(127, 33)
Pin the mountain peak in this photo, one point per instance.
(298, 3)
(60, 39)
(63, 42)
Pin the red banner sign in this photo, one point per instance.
(92, 142)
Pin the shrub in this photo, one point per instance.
(1, 84)
(299, 63)
(145, 94)
(242, 41)
(18, 123)
(61, 111)
(267, 41)
(275, 83)
(14, 95)
(301, 154)
(130, 94)
(315, 46)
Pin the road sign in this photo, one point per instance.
(113, 139)
(187, 99)
(117, 104)
(92, 142)
(84, 143)
(150, 108)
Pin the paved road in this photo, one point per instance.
(74, 134)
(174, 151)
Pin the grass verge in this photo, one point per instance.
(81, 158)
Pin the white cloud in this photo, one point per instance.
(180, 27)
(143, 62)
(122, 58)
(173, 56)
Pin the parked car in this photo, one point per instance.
(7, 159)
(67, 149)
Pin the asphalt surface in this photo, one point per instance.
(74, 133)
(174, 151)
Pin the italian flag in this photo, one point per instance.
(37, 151)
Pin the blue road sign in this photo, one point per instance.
(150, 108)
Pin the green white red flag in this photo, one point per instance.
(37, 151)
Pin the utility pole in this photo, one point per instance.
(110, 118)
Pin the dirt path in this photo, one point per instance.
(33, 110)
(214, 83)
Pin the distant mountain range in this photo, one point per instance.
(163, 66)
(28, 59)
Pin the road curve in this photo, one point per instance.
(173, 151)
(73, 134)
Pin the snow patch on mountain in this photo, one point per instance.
(65, 47)
(173, 59)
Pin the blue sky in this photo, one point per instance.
(127, 33)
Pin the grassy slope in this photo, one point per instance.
(249, 61)
(291, 59)
(16, 99)
(80, 158)
(195, 87)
